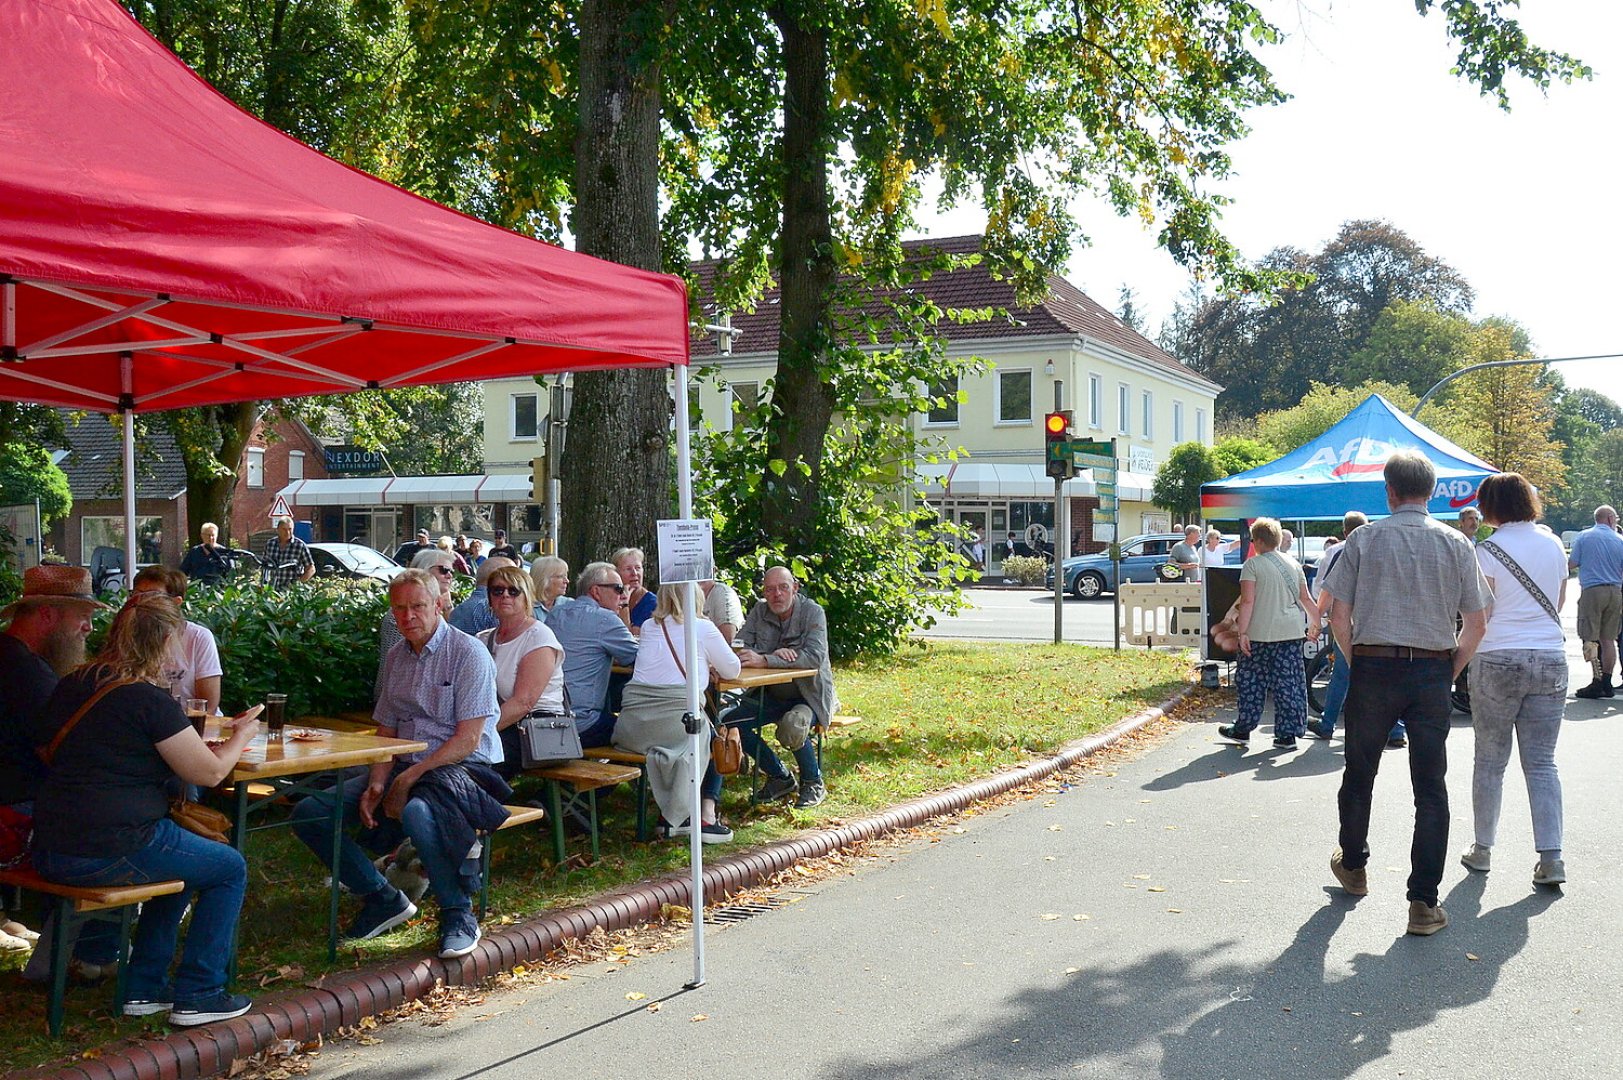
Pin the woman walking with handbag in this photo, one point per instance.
(529, 661)
(1274, 609)
(654, 704)
(115, 740)
(1519, 672)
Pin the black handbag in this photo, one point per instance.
(545, 738)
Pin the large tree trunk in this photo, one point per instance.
(802, 400)
(616, 468)
(211, 439)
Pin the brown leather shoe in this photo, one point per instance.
(1426, 919)
(1356, 882)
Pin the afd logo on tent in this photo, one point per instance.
(1459, 492)
(1359, 457)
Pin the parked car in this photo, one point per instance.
(354, 561)
(1087, 577)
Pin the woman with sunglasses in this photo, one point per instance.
(529, 660)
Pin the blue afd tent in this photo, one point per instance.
(1341, 471)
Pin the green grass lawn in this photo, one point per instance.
(933, 716)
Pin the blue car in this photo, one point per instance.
(1088, 577)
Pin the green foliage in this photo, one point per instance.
(424, 430)
(1493, 45)
(1237, 454)
(1177, 482)
(1414, 344)
(1320, 409)
(28, 474)
(1026, 569)
(11, 579)
(1596, 478)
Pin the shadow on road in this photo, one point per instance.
(1186, 1016)
(1310, 758)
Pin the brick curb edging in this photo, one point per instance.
(344, 997)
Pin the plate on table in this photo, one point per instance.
(306, 735)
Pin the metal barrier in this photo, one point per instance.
(1158, 613)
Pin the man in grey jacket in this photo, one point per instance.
(786, 630)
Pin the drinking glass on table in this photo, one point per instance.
(197, 711)
(275, 716)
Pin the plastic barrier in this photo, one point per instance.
(1156, 613)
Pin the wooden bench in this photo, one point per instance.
(626, 757)
(72, 905)
(516, 816)
(585, 777)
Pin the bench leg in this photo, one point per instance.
(120, 982)
(591, 803)
(642, 804)
(485, 841)
(62, 912)
(555, 800)
(337, 854)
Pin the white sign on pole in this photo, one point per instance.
(1104, 534)
(685, 551)
(279, 509)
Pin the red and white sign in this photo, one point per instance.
(279, 509)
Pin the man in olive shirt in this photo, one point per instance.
(1396, 589)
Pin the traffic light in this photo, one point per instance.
(1057, 432)
(539, 475)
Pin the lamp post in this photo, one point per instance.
(1446, 379)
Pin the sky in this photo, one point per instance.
(1525, 204)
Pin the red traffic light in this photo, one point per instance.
(1057, 423)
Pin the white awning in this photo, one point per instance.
(1016, 480)
(408, 490)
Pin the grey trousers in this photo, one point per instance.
(1520, 693)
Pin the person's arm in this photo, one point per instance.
(1310, 610)
(534, 672)
(308, 562)
(208, 688)
(195, 762)
(724, 663)
(811, 648)
(620, 643)
(1248, 598)
(1341, 626)
(463, 741)
(1475, 625)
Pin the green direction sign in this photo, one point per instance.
(1106, 492)
(1095, 462)
(1100, 447)
(1104, 517)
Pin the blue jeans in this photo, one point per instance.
(1520, 693)
(312, 820)
(215, 872)
(1385, 690)
(1335, 695)
(755, 746)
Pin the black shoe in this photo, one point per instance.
(775, 789)
(1607, 689)
(221, 1006)
(1285, 742)
(714, 832)
(1397, 743)
(1227, 734)
(1319, 731)
(381, 914)
(1593, 691)
(811, 793)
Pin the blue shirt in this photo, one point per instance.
(424, 696)
(474, 614)
(594, 640)
(1598, 555)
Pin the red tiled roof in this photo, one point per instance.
(1065, 310)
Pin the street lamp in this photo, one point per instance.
(1446, 379)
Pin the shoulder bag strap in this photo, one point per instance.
(48, 754)
(671, 645)
(1520, 575)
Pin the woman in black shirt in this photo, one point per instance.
(102, 816)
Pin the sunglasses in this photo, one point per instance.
(605, 585)
(504, 590)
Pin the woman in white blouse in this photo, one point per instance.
(529, 660)
(651, 713)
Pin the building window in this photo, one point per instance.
(745, 395)
(1014, 397)
(108, 532)
(946, 412)
(1177, 421)
(1096, 401)
(295, 465)
(1148, 424)
(1124, 403)
(526, 416)
(1200, 425)
(256, 466)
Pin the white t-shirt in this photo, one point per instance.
(1518, 621)
(656, 663)
(508, 655)
(193, 656)
(1208, 557)
(722, 606)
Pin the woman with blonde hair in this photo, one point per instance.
(628, 562)
(115, 741)
(550, 576)
(1275, 607)
(529, 660)
(653, 706)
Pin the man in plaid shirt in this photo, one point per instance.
(286, 558)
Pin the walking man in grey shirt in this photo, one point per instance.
(1396, 589)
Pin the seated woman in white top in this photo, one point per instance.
(529, 660)
(651, 713)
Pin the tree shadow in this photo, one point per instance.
(1177, 1015)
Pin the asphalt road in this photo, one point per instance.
(1025, 615)
(1171, 915)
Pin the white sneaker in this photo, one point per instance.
(1477, 858)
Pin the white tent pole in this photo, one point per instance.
(690, 648)
(126, 408)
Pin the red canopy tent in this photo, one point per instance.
(160, 248)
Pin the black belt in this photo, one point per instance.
(1402, 652)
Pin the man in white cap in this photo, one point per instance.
(44, 641)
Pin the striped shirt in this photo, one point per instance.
(424, 696)
(1406, 578)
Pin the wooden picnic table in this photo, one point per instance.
(269, 772)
